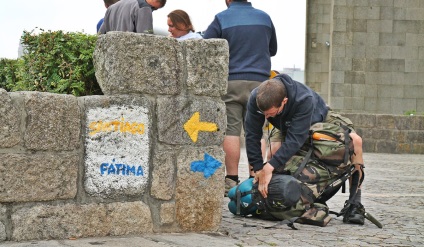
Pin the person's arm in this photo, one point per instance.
(102, 29)
(253, 124)
(99, 24)
(273, 42)
(213, 30)
(297, 133)
(144, 20)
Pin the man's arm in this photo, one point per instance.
(273, 42)
(213, 30)
(264, 176)
(99, 24)
(102, 29)
(297, 133)
(253, 125)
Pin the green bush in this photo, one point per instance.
(413, 113)
(8, 77)
(54, 61)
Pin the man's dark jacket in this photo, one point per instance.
(304, 107)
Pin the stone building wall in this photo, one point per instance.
(367, 55)
(395, 134)
(317, 51)
(144, 157)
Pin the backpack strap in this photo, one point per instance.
(239, 195)
(356, 182)
(303, 164)
(289, 222)
(330, 189)
(238, 199)
(347, 141)
(308, 155)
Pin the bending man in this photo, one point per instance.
(292, 107)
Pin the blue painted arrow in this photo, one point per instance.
(208, 166)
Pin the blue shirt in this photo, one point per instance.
(99, 24)
(251, 39)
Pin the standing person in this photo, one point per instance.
(180, 27)
(292, 107)
(107, 4)
(252, 41)
(131, 16)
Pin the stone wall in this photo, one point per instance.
(395, 134)
(317, 52)
(145, 157)
(366, 56)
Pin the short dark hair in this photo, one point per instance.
(163, 2)
(271, 93)
(110, 2)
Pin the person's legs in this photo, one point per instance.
(238, 93)
(274, 146)
(355, 212)
(265, 139)
(231, 145)
(275, 139)
(358, 162)
(264, 146)
(357, 157)
(231, 148)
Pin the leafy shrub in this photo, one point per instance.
(413, 113)
(8, 77)
(57, 62)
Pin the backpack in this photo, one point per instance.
(330, 144)
(287, 202)
(241, 202)
(319, 169)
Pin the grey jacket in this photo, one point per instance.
(128, 16)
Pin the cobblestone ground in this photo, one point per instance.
(393, 192)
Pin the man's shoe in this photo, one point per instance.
(355, 214)
(229, 183)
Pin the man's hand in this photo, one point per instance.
(264, 177)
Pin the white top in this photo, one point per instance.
(190, 35)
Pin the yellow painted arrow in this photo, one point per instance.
(193, 126)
